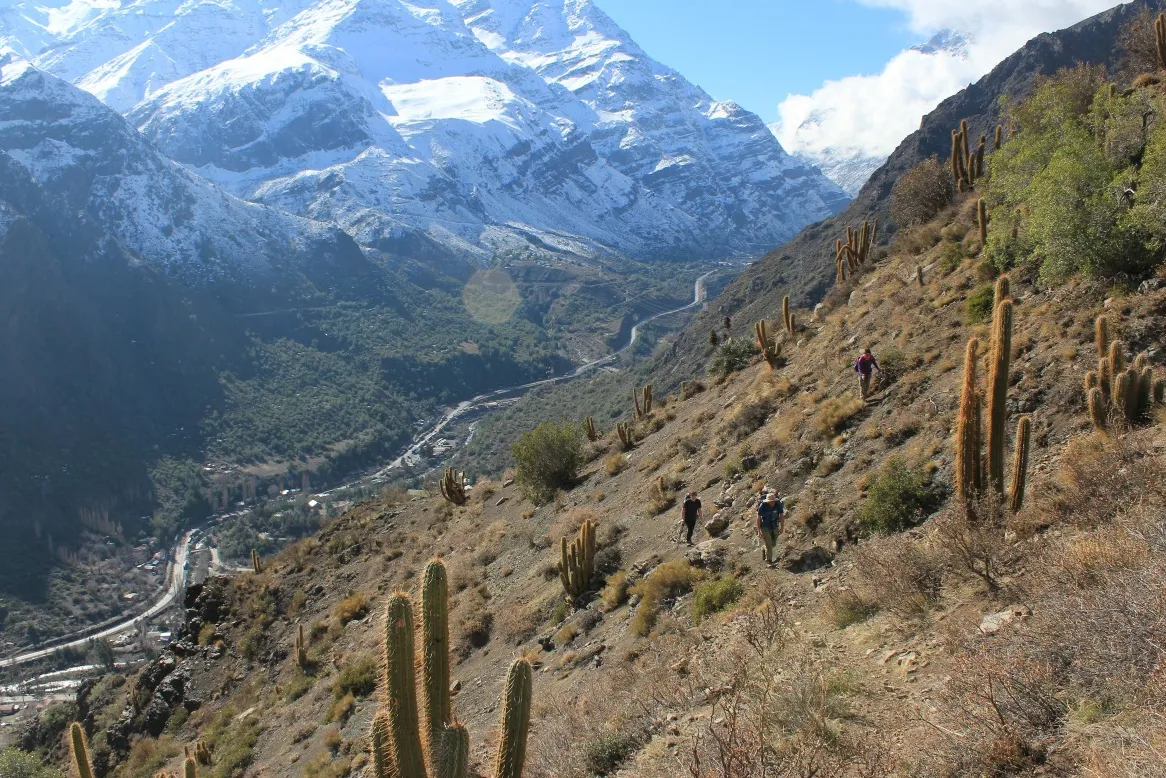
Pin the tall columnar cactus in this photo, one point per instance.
(980, 156)
(1160, 39)
(435, 654)
(453, 760)
(453, 486)
(998, 392)
(1097, 409)
(1002, 291)
(189, 768)
(982, 221)
(515, 720)
(202, 753)
(967, 470)
(1145, 391)
(396, 736)
(1101, 336)
(964, 137)
(300, 648)
(577, 560)
(256, 562)
(1091, 381)
(1117, 358)
(1020, 464)
(1104, 378)
(589, 425)
(999, 141)
(785, 313)
(626, 437)
(770, 349)
(1133, 393)
(400, 695)
(79, 749)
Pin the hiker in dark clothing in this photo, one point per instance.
(690, 512)
(865, 366)
(770, 513)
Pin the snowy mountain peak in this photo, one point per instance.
(468, 126)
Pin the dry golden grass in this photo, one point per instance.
(613, 464)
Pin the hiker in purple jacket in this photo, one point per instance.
(865, 366)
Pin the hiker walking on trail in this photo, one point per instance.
(865, 366)
(690, 512)
(770, 513)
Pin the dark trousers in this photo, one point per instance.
(691, 524)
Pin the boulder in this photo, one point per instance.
(813, 558)
(709, 555)
(717, 525)
(994, 622)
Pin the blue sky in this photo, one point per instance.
(838, 77)
(756, 52)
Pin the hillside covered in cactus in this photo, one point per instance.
(966, 583)
(962, 583)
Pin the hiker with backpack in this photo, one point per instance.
(690, 513)
(770, 514)
(865, 366)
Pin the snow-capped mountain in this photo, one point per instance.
(829, 134)
(467, 127)
(87, 155)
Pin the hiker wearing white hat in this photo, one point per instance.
(770, 513)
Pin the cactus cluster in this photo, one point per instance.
(770, 349)
(982, 221)
(850, 254)
(967, 165)
(626, 436)
(577, 560)
(973, 474)
(589, 429)
(453, 486)
(256, 561)
(642, 399)
(1117, 389)
(419, 738)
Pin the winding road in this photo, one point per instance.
(176, 578)
(699, 294)
(176, 572)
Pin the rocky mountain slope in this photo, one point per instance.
(804, 267)
(870, 649)
(442, 129)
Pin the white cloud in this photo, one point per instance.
(868, 115)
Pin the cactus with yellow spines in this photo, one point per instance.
(982, 221)
(1020, 464)
(1160, 39)
(1002, 291)
(299, 647)
(1091, 381)
(453, 486)
(785, 313)
(189, 768)
(399, 747)
(435, 700)
(202, 754)
(79, 750)
(999, 140)
(642, 399)
(1101, 336)
(577, 560)
(589, 425)
(997, 395)
(1117, 358)
(967, 446)
(256, 562)
(1098, 407)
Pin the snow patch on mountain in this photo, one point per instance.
(433, 123)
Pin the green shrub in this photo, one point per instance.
(978, 306)
(548, 459)
(358, 678)
(714, 596)
(603, 756)
(668, 581)
(232, 742)
(732, 357)
(897, 499)
(15, 763)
